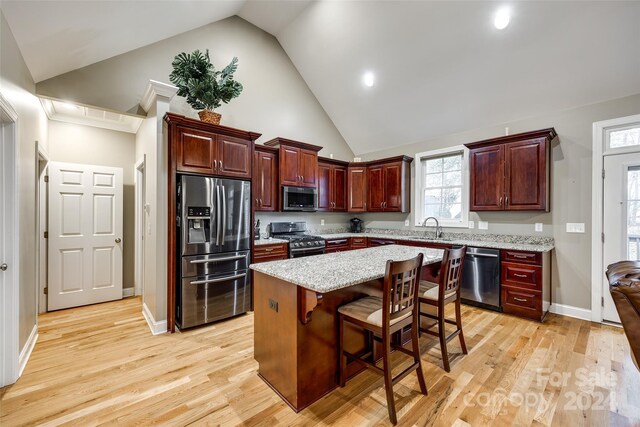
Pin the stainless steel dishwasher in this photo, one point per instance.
(481, 278)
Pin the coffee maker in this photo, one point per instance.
(356, 225)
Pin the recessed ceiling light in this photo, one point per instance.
(501, 19)
(368, 79)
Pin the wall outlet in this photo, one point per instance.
(472, 224)
(406, 222)
(575, 227)
(322, 222)
(538, 226)
(483, 225)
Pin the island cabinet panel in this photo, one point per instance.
(265, 180)
(337, 245)
(389, 185)
(511, 173)
(298, 162)
(525, 281)
(332, 185)
(357, 189)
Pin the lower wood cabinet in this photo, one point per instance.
(525, 281)
(358, 242)
(374, 241)
(270, 252)
(337, 245)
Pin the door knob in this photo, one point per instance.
(4, 267)
(118, 240)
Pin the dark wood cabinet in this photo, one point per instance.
(332, 185)
(357, 189)
(197, 147)
(337, 245)
(525, 281)
(265, 179)
(298, 162)
(211, 153)
(389, 185)
(270, 252)
(511, 173)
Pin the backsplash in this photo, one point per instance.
(333, 222)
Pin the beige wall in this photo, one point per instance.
(18, 88)
(570, 190)
(275, 102)
(94, 146)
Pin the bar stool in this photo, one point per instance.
(383, 317)
(439, 295)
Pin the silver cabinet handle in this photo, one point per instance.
(520, 256)
(4, 266)
(220, 163)
(520, 275)
(208, 260)
(500, 203)
(261, 202)
(118, 240)
(506, 200)
(520, 299)
(220, 279)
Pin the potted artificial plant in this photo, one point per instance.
(204, 87)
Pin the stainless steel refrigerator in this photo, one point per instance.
(214, 229)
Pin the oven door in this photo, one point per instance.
(299, 199)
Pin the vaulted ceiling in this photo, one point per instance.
(439, 67)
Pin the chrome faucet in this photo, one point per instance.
(438, 228)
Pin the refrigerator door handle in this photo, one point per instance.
(224, 215)
(217, 280)
(218, 214)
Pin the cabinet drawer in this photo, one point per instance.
(267, 258)
(522, 257)
(262, 253)
(379, 242)
(337, 245)
(358, 242)
(522, 275)
(522, 302)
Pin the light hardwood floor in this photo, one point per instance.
(100, 365)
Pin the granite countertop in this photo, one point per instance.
(330, 272)
(520, 243)
(269, 241)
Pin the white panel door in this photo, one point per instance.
(621, 218)
(85, 234)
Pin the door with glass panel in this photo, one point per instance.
(621, 220)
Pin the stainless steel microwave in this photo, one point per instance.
(301, 199)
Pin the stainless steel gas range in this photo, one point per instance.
(300, 243)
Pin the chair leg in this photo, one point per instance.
(388, 383)
(343, 365)
(443, 341)
(416, 356)
(459, 326)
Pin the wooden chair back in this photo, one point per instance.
(451, 271)
(401, 285)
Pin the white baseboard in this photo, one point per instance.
(157, 328)
(26, 351)
(128, 292)
(571, 311)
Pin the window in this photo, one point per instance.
(624, 138)
(442, 187)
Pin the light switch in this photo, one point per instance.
(483, 225)
(322, 222)
(472, 224)
(575, 227)
(538, 226)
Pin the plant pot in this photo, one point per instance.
(209, 116)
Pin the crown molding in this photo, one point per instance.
(155, 89)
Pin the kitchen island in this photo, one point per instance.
(296, 320)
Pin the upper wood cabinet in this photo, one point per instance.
(298, 162)
(265, 179)
(208, 149)
(511, 173)
(357, 189)
(389, 185)
(332, 185)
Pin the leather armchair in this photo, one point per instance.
(624, 285)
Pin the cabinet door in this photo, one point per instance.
(357, 190)
(486, 167)
(308, 168)
(375, 181)
(289, 160)
(234, 157)
(339, 188)
(265, 182)
(526, 175)
(197, 151)
(393, 187)
(325, 184)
